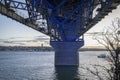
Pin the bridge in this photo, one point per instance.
(65, 21)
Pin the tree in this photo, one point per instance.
(110, 39)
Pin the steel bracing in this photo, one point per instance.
(54, 16)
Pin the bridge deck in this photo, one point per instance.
(13, 15)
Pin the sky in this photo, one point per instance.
(13, 33)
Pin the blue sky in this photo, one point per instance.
(13, 33)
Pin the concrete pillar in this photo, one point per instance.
(66, 53)
(66, 72)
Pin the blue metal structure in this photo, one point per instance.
(65, 21)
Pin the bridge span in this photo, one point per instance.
(65, 21)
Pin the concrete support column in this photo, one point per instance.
(66, 53)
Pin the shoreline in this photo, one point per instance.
(38, 49)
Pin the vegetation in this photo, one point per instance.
(111, 41)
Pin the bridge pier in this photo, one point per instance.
(66, 53)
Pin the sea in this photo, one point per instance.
(40, 66)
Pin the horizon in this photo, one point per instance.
(96, 47)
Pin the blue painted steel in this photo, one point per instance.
(59, 5)
(41, 5)
(66, 53)
(89, 3)
(33, 3)
(71, 13)
(49, 4)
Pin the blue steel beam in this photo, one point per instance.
(33, 3)
(41, 5)
(49, 4)
(71, 13)
(59, 5)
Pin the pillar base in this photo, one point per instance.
(66, 72)
(66, 53)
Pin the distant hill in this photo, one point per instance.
(38, 48)
(25, 48)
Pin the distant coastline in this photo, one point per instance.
(92, 49)
(39, 48)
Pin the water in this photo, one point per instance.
(40, 66)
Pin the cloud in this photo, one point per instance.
(25, 40)
(41, 39)
(7, 42)
(14, 38)
(12, 43)
(21, 44)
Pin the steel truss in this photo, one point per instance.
(55, 15)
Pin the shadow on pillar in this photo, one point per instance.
(66, 73)
(66, 53)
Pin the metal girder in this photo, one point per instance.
(82, 9)
(11, 14)
(15, 4)
(100, 16)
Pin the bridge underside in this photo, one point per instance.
(65, 21)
